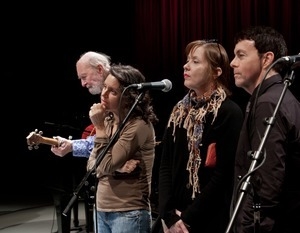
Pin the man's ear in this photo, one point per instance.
(268, 59)
(100, 68)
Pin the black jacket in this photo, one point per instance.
(276, 182)
(209, 211)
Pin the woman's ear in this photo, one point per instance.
(218, 73)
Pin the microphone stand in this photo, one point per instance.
(256, 156)
(100, 158)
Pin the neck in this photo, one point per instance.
(261, 79)
(206, 95)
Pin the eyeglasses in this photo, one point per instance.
(215, 41)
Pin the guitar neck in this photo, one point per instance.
(49, 141)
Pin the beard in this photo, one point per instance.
(95, 90)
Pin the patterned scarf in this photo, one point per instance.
(191, 111)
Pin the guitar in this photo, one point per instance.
(35, 138)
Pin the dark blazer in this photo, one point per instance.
(276, 183)
(209, 211)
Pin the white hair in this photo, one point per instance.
(96, 58)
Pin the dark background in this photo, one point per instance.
(41, 44)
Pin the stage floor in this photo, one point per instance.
(34, 214)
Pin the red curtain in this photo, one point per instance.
(163, 27)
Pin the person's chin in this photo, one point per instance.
(238, 83)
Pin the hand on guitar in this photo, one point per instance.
(61, 146)
(64, 146)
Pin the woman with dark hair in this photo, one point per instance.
(123, 192)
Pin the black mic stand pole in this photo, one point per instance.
(256, 155)
(100, 158)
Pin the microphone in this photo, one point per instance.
(290, 59)
(164, 85)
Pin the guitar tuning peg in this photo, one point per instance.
(30, 147)
(70, 137)
(36, 147)
(38, 132)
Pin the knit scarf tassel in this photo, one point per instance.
(192, 116)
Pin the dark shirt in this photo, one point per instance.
(276, 183)
(209, 211)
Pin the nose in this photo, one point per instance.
(233, 62)
(104, 92)
(83, 83)
(185, 66)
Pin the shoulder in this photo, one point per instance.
(231, 107)
(229, 113)
(138, 124)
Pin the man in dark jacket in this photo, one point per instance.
(274, 187)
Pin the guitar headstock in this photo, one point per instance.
(35, 138)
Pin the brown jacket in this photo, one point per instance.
(122, 191)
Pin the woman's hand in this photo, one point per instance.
(97, 115)
(178, 227)
(129, 166)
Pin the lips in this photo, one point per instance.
(236, 74)
(104, 102)
(186, 76)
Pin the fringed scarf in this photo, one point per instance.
(191, 111)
